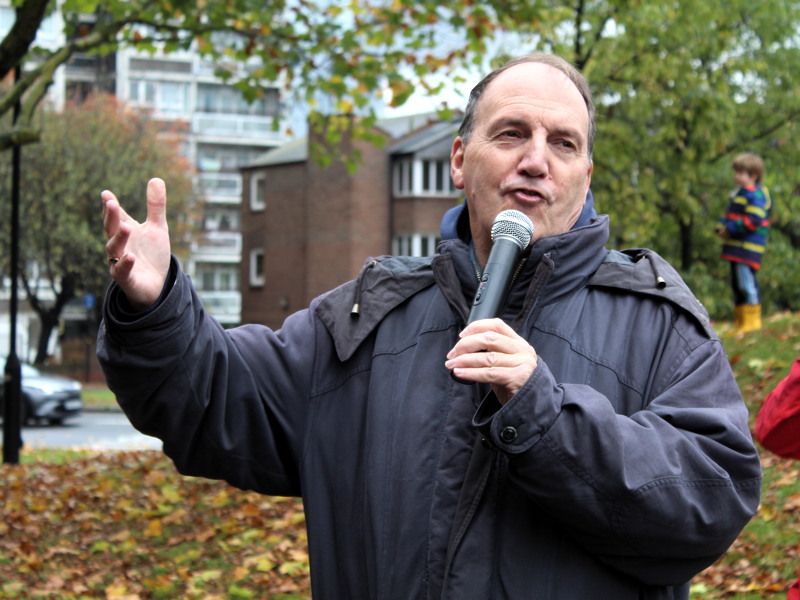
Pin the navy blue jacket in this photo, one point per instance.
(622, 468)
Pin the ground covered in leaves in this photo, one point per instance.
(76, 525)
(126, 526)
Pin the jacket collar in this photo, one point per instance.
(455, 223)
(567, 261)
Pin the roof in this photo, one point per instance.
(440, 133)
(413, 134)
(291, 152)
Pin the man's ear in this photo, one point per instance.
(457, 162)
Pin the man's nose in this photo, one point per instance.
(533, 159)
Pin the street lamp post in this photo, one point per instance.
(12, 380)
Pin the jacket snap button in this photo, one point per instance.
(508, 434)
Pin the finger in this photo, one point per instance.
(157, 202)
(482, 358)
(113, 213)
(477, 342)
(482, 325)
(506, 373)
(118, 242)
(122, 267)
(487, 335)
(110, 213)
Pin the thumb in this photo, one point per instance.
(157, 202)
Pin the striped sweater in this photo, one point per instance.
(747, 221)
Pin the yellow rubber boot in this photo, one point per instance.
(738, 316)
(751, 318)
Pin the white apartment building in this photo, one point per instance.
(220, 133)
(223, 133)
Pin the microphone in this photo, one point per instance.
(511, 233)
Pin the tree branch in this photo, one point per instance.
(15, 44)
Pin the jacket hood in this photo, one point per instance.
(455, 223)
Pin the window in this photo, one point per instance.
(227, 100)
(221, 218)
(403, 177)
(163, 65)
(422, 177)
(173, 97)
(257, 267)
(258, 192)
(211, 157)
(415, 244)
(217, 277)
(221, 184)
(164, 96)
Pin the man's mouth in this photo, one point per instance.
(533, 194)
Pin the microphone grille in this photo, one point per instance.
(513, 225)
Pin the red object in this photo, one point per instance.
(794, 591)
(778, 428)
(778, 421)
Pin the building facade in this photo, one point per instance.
(307, 228)
(223, 132)
(218, 131)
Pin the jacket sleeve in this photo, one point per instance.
(659, 494)
(778, 421)
(751, 214)
(228, 404)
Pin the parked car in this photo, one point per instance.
(45, 397)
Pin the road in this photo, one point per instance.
(95, 430)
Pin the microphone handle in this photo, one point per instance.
(495, 281)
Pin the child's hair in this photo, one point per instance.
(751, 164)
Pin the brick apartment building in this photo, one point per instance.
(307, 228)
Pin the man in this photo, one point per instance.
(603, 451)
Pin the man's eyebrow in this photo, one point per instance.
(515, 122)
(573, 133)
(568, 131)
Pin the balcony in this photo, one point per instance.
(239, 129)
(225, 307)
(220, 188)
(217, 246)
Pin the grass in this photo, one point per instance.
(765, 558)
(77, 524)
(97, 396)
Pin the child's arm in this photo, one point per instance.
(741, 222)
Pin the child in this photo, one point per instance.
(744, 229)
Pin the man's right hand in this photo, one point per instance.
(138, 253)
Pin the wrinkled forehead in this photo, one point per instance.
(534, 87)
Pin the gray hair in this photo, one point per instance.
(573, 74)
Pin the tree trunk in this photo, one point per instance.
(49, 321)
(49, 315)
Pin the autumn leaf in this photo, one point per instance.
(101, 515)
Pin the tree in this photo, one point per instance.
(682, 87)
(342, 57)
(87, 148)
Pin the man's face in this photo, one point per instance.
(528, 152)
